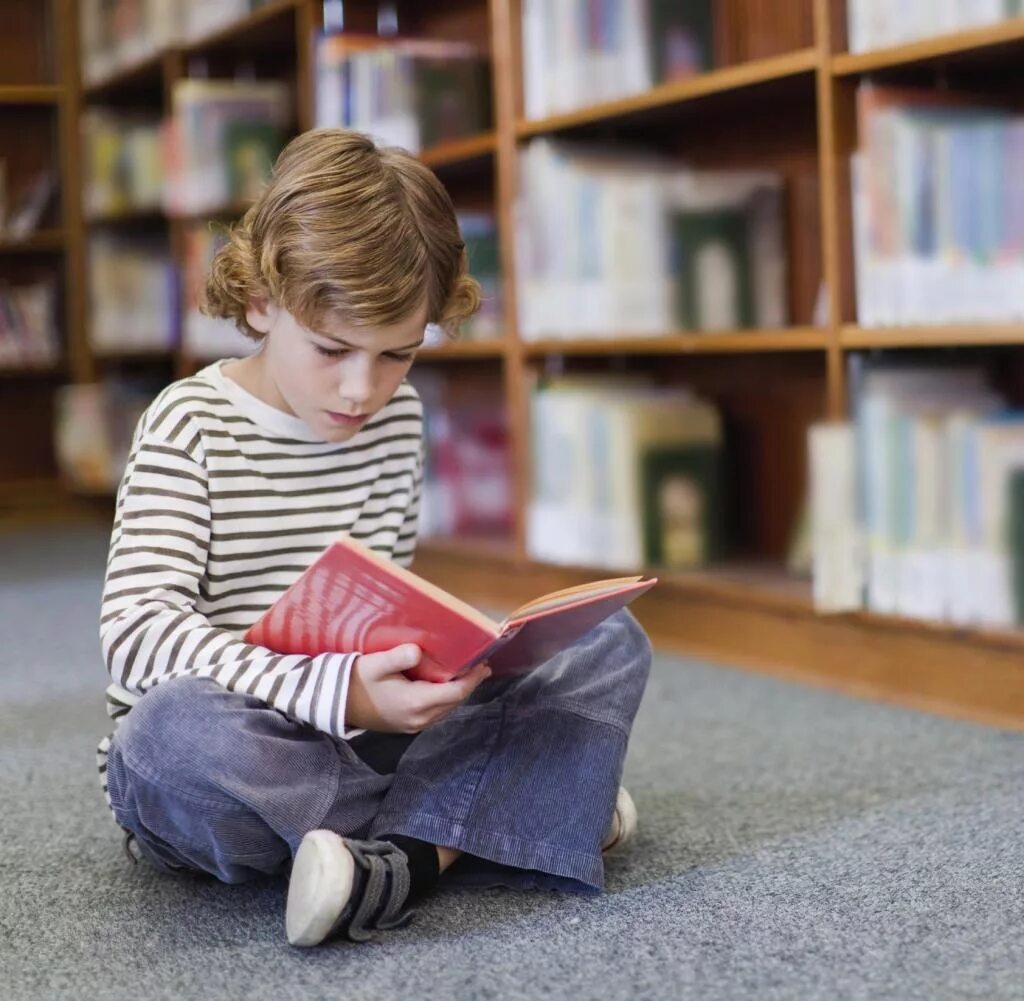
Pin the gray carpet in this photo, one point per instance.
(794, 844)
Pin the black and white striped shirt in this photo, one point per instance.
(225, 501)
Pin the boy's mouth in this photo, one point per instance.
(346, 420)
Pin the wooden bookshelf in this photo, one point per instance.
(780, 97)
(42, 241)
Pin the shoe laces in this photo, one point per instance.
(381, 901)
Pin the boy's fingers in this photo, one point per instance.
(451, 693)
(395, 661)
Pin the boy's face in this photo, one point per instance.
(338, 372)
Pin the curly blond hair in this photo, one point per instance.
(348, 228)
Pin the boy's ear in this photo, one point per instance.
(260, 314)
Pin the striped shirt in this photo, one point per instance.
(225, 501)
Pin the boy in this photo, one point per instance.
(234, 761)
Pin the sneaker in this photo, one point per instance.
(342, 887)
(623, 825)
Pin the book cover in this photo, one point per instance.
(353, 600)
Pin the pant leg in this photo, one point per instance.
(215, 781)
(524, 776)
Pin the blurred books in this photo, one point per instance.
(936, 530)
(412, 93)
(29, 333)
(123, 161)
(118, 33)
(625, 475)
(221, 142)
(94, 427)
(467, 488)
(873, 24)
(578, 54)
(480, 233)
(132, 293)
(938, 209)
(613, 244)
(205, 337)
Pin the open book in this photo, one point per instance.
(353, 600)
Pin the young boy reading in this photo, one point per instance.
(232, 760)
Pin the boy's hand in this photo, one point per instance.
(381, 697)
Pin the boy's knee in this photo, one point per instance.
(630, 643)
(167, 717)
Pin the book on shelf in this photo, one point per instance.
(203, 337)
(221, 140)
(123, 161)
(935, 450)
(27, 212)
(352, 599)
(938, 215)
(621, 244)
(413, 93)
(623, 474)
(133, 292)
(611, 51)
(29, 333)
(874, 24)
(467, 474)
(94, 424)
(480, 233)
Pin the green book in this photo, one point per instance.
(250, 148)
(715, 290)
(681, 38)
(682, 488)
(1015, 508)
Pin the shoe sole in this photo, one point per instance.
(319, 888)
(625, 811)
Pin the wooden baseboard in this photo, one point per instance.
(772, 630)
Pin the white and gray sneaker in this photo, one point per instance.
(343, 887)
(623, 825)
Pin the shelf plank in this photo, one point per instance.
(128, 216)
(470, 546)
(141, 355)
(972, 335)
(147, 71)
(245, 32)
(30, 94)
(745, 341)
(495, 348)
(27, 370)
(719, 81)
(961, 43)
(42, 241)
(460, 151)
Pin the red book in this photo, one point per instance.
(353, 600)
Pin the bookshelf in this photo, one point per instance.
(781, 96)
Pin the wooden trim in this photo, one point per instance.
(717, 81)
(40, 242)
(124, 77)
(265, 12)
(973, 335)
(496, 348)
(746, 341)
(976, 40)
(459, 151)
(41, 93)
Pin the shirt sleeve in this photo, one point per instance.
(405, 544)
(150, 630)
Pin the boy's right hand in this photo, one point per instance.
(381, 697)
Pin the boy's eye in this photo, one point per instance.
(338, 352)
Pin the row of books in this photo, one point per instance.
(873, 24)
(579, 52)
(625, 475)
(216, 148)
(938, 211)
(612, 243)
(918, 500)
(413, 93)
(118, 33)
(467, 488)
(133, 295)
(93, 428)
(29, 333)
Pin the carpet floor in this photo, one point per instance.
(794, 843)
